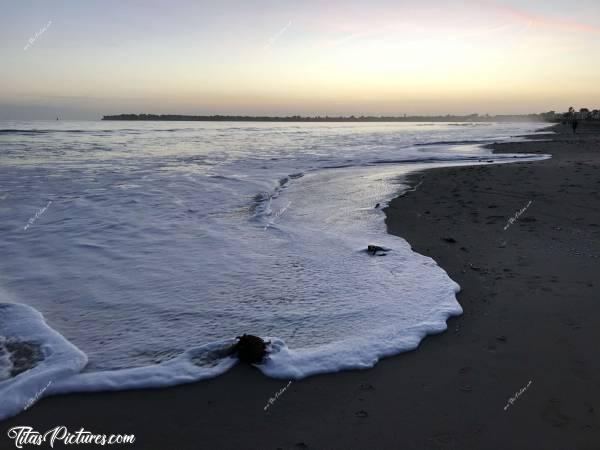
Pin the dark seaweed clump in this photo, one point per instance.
(250, 349)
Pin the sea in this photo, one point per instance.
(132, 254)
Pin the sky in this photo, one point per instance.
(85, 59)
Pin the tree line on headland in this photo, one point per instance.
(551, 116)
(571, 114)
(405, 118)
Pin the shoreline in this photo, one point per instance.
(451, 392)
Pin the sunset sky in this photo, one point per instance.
(90, 58)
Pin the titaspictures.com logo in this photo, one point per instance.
(25, 436)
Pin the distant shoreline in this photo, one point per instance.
(221, 118)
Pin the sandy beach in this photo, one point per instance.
(516, 371)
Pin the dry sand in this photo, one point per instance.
(532, 318)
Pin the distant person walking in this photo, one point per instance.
(574, 124)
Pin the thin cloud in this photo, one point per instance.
(545, 21)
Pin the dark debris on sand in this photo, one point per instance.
(377, 250)
(250, 349)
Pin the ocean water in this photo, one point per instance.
(133, 253)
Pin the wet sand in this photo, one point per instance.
(531, 323)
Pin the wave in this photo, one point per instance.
(50, 131)
(29, 343)
(261, 206)
(59, 370)
(462, 142)
(51, 365)
(18, 131)
(471, 124)
(453, 160)
(36, 361)
(8, 131)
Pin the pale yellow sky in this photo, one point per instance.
(265, 57)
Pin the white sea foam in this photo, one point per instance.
(166, 241)
(59, 359)
(193, 365)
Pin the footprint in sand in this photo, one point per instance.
(464, 370)
(553, 415)
(443, 438)
(579, 369)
